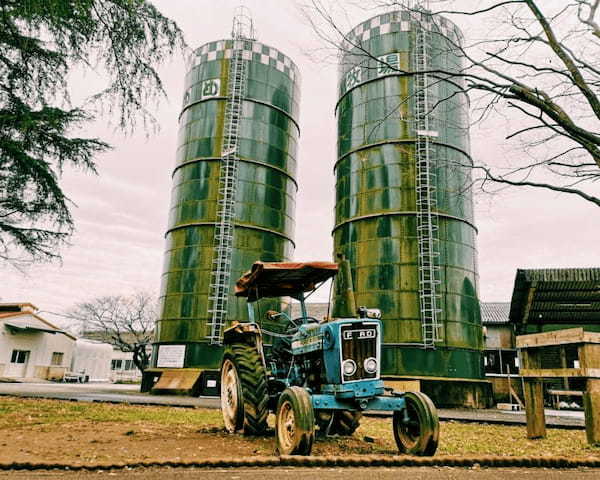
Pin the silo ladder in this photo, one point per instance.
(427, 217)
(228, 178)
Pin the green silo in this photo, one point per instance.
(403, 212)
(233, 196)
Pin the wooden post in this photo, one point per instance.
(534, 408)
(591, 402)
(534, 396)
(589, 357)
(563, 364)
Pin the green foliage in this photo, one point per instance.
(41, 41)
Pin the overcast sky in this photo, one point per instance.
(121, 214)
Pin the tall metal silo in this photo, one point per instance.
(404, 213)
(234, 190)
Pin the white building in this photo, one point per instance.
(123, 369)
(92, 359)
(31, 347)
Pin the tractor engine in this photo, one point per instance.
(340, 357)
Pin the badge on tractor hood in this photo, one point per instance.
(359, 334)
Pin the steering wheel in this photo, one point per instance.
(301, 320)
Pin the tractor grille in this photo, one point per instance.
(359, 342)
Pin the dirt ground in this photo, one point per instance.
(34, 430)
(88, 442)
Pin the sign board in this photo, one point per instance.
(170, 356)
(353, 77)
(210, 88)
(388, 64)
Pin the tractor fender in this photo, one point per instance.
(241, 333)
(247, 333)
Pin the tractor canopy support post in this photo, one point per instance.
(345, 304)
(250, 312)
(303, 307)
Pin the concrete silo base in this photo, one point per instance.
(181, 381)
(447, 392)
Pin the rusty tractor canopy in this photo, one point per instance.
(277, 279)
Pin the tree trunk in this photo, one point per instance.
(140, 357)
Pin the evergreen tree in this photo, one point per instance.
(41, 41)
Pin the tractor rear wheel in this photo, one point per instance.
(295, 423)
(417, 428)
(338, 422)
(244, 393)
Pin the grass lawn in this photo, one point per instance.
(53, 430)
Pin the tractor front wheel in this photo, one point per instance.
(417, 427)
(295, 422)
(244, 393)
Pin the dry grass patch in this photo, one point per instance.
(36, 430)
(483, 439)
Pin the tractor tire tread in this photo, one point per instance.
(304, 430)
(345, 422)
(253, 379)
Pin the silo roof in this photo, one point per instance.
(556, 295)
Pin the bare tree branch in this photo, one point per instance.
(125, 322)
(539, 68)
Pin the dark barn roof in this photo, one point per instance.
(556, 295)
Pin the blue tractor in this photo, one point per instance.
(315, 374)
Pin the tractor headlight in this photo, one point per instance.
(370, 365)
(349, 367)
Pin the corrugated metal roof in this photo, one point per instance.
(493, 313)
(555, 295)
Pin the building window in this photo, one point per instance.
(491, 361)
(501, 361)
(19, 356)
(57, 358)
(128, 365)
(116, 364)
